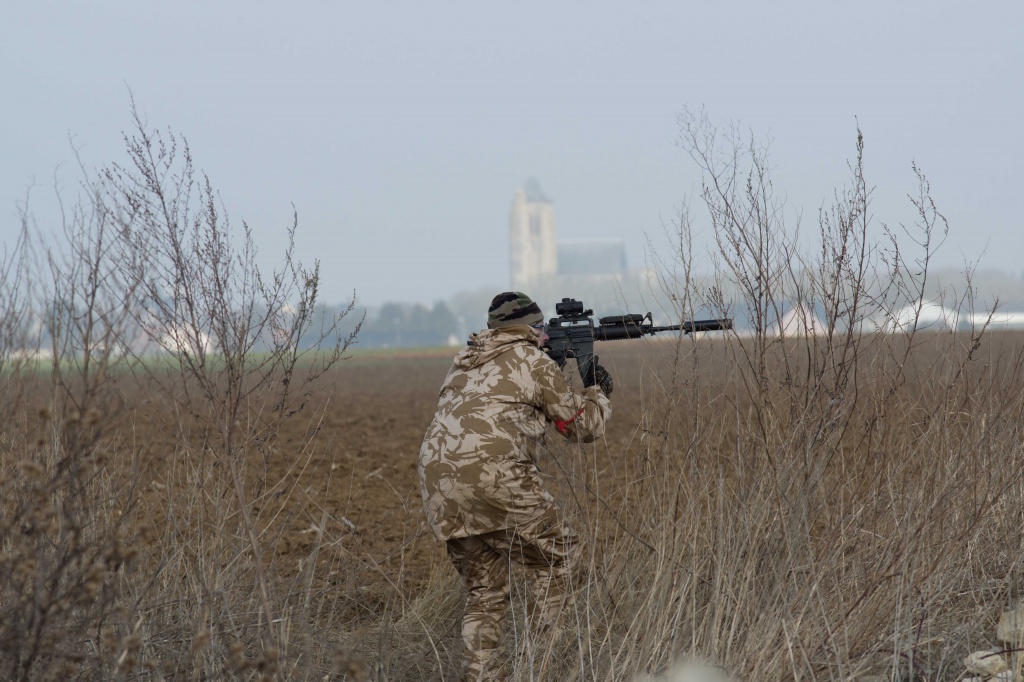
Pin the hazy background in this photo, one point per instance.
(401, 130)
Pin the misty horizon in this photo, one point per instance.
(400, 134)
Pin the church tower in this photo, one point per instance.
(533, 251)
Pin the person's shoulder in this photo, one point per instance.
(533, 355)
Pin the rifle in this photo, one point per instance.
(572, 333)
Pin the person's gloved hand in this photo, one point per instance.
(604, 379)
(599, 376)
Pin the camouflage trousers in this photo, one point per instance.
(548, 549)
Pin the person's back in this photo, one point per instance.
(498, 398)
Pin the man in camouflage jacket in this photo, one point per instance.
(481, 489)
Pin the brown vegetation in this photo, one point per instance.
(700, 539)
(791, 505)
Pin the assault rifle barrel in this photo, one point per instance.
(631, 329)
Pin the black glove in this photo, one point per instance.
(598, 376)
(604, 380)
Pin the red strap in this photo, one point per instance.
(563, 426)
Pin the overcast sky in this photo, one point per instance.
(400, 130)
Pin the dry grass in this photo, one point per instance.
(882, 541)
(887, 542)
(789, 508)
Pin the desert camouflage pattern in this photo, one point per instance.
(475, 465)
(548, 548)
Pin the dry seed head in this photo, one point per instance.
(31, 470)
(132, 643)
(119, 555)
(41, 442)
(48, 519)
(127, 663)
(93, 583)
(25, 569)
(92, 417)
(109, 637)
(201, 641)
(351, 668)
(239, 661)
(69, 671)
(129, 658)
(268, 664)
(44, 413)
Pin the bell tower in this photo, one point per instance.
(533, 249)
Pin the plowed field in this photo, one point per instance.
(349, 500)
(364, 466)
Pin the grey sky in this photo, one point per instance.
(400, 130)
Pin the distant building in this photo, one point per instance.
(800, 322)
(536, 255)
(997, 320)
(533, 252)
(593, 257)
(926, 316)
(594, 270)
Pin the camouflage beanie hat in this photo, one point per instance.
(512, 308)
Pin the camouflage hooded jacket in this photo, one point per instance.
(475, 468)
